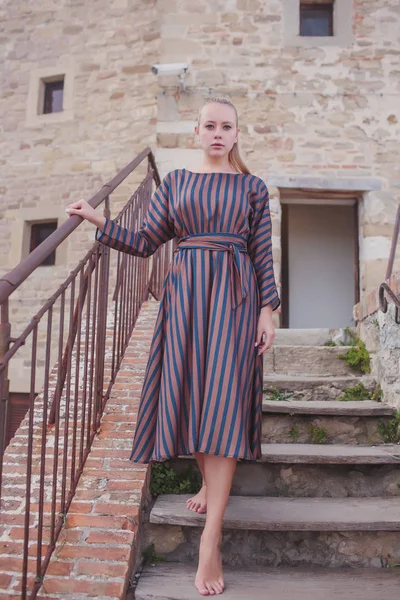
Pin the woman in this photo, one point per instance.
(202, 392)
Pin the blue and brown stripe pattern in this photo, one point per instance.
(202, 390)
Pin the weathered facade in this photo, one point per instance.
(319, 119)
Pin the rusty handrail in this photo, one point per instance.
(14, 278)
(63, 419)
(395, 239)
(385, 288)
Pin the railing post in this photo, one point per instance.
(5, 339)
(101, 327)
(395, 238)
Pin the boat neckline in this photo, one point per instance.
(212, 172)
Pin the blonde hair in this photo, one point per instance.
(235, 160)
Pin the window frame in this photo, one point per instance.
(35, 114)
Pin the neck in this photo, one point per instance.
(215, 165)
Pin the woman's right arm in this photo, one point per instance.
(156, 228)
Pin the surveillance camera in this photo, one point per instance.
(169, 68)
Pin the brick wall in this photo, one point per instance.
(97, 546)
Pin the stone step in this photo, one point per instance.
(262, 531)
(328, 407)
(307, 360)
(310, 337)
(175, 581)
(313, 387)
(263, 513)
(330, 454)
(328, 421)
(333, 454)
(316, 470)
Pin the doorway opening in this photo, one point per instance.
(320, 260)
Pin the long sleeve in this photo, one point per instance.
(259, 246)
(156, 227)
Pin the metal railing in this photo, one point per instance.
(385, 288)
(85, 325)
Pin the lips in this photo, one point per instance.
(217, 145)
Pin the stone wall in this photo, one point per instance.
(105, 48)
(306, 108)
(381, 334)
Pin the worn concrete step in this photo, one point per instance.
(310, 337)
(175, 581)
(312, 387)
(263, 513)
(329, 421)
(332, 532)
(316, 470)
(310, 479)
(336, 454)
(330, 454)
(328, 407)
(307, 360)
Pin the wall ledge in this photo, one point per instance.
(370, 304)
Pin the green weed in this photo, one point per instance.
(150, 557)
(277, 394)
(165, 480)
(319, 435)
(357, 392)
(357, 357)
(294, 432)
(390, 431)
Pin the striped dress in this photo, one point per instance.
(202, 389)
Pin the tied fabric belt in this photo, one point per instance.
(228, 242)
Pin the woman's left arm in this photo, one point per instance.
(260, 250)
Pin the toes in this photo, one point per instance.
(216, 588)
(219, 587)
(203, 591)
(209, 588)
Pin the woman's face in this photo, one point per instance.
(217, 131)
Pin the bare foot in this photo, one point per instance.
(198, 502)
(209, 578)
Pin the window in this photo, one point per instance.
(53, 96)
(316, 19)
(317, 23)
(39, 232)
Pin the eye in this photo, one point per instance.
(228, 126)
(209, 125)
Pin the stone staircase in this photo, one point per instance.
(310, 519)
